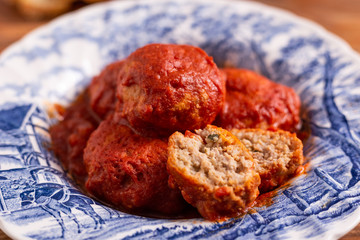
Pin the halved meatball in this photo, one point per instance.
(253, 101)
(214, 171)
(129, 171)
(277, 154)
(166, 87)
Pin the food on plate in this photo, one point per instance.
(129, 170)
(253, 101)
(114, 139)
(102, 90)
(167, 87)
(214, 171)
(69, 136)
(277, 155)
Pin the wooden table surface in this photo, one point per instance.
(339, 17)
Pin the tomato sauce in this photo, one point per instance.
(69, 136)
(128, 163)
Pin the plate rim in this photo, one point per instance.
(313, 25)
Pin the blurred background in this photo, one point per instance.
(19, 17)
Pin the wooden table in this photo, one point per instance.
(339, 17)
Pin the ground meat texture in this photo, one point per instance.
(70, 135)
(102, 90)
(277, 154)
(129, 171)
(253, 101)
(214, 171)
(165, 87)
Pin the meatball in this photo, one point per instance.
(278, 155)
(70, 135)
(129, 171)
(214, 170)
(253, 101)
(102, 90)
(166, 87)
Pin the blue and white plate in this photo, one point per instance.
(54, 63)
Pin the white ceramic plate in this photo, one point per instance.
(54, 63)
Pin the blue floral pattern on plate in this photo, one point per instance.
(54, 63)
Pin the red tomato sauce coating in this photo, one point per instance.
(167, 88)
(69, 136)
(102, 90)
(128, 170)
(253, 101)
